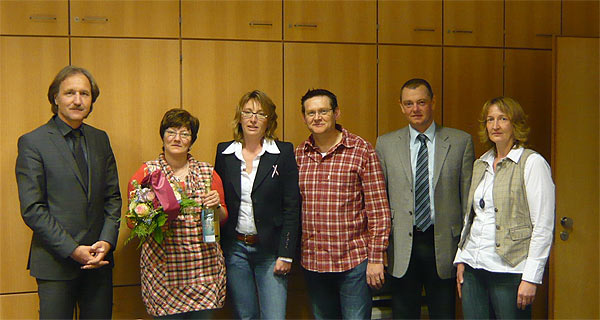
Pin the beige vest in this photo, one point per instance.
(513, 223)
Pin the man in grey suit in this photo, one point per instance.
(70, 198)
(427, 169)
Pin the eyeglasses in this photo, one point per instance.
(322, 112)
(182, 134)
(249, 114)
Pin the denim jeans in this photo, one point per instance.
(250, 270)
(340, 295)
(482, 288)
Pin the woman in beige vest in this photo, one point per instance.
(508, 227)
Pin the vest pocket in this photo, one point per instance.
(520, 233)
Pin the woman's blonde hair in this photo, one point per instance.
(268, 108)
(513, 110)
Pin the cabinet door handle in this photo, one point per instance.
(260, 24)
(42, 18)
(91, 19)
(424, 30)
(546, 35)
(303, 25)
(461, 31)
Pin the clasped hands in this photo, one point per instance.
(91, 257)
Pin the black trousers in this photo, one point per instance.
(91, 291)
(422, 272)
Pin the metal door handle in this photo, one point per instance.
(566, 222)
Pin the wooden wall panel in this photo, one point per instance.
(398, 64)
(19, 306)
(215, 76)
(471, 77)
(528, 79)
(27, 66)
(25, 17)
(349, 71)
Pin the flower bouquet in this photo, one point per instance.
(154, 203)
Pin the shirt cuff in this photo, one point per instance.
(533, 272)
(289, 260)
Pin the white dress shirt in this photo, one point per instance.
(479, 249)
(415, 144)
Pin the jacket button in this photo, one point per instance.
(495, 209)
(410, 234)
(498, 245)
(410, 213)
(497, 227)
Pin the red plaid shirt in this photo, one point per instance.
(345, 211)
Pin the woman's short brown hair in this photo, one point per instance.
(177, 118)
(513, 110)
(268, 108)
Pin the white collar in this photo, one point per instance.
(429, 133)
(269, 146)
(514, 155)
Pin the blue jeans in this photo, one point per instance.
(250, 270)
(482, 288)
(340, 295)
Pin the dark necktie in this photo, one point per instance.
(79, 155)
(422, 206)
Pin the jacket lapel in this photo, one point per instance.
(233, 165)
(441, 151)
(60, 143)
(404, 153)
(266, 166)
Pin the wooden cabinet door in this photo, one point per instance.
(25, 17)
(471, 77)
(331, 21)
(27, 67)
(414, 22)
(215, 76)
(256, 20)
(531, 24)
(349, 71)
(474, 23)
(124, 18)
(574, 272)
(138, 82)
(580, 18)
(398, 64)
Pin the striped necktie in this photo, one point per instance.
(422, 206)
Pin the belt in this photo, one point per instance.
(250, 239)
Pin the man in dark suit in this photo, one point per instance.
(427, 169)
(70, 198)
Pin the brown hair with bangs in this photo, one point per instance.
(513, 110)
(267, 106)
(177, 118)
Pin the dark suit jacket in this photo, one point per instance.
(275, 198)
(453, 165)
(61, 211)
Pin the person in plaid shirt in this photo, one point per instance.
(345, 213)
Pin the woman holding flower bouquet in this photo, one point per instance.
(260, 178)
(182, 276)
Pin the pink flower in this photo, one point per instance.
(142, 210)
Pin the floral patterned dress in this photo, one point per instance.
(183, 274)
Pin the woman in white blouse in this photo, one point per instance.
(507, 233)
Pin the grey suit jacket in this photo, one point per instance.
(451, 181)
(61, 211)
